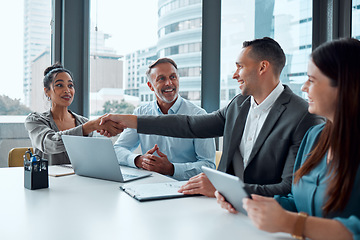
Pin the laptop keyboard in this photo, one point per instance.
(127, 176)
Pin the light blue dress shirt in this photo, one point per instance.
(187, 155)
(309, 194)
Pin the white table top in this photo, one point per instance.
(75, 207)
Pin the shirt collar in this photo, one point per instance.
(174, 108)
(269, 100)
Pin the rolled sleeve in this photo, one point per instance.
(205, 156)
(46, 139)
(287, 202)
(127, 142)
(352, 224)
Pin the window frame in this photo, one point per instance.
(71, 46)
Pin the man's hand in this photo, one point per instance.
(198, 184)
(128, 121)
(150, 162)
(108, 129)
(224, 204)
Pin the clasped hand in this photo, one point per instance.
(154, 163)
(117, 122)
(108, 128)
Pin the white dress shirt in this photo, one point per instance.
(255, 120)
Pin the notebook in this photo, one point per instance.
(155, 191)
(231, 187)
(60, 170)
(96, 158)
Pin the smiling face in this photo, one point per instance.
(246, 72)
(164, 82)
(322, 96)
(61, 90)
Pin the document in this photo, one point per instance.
(60, 170)
(154, 191)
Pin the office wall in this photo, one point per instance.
(12, 134)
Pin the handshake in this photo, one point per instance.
(110, 125)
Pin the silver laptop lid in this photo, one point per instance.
(93, 157)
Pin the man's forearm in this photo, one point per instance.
(129, 121)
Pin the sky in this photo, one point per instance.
(11, 48)
(132, 25)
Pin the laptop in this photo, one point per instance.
(96, 158)
(231, 187)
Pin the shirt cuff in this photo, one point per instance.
(178, 171)
(78, 130)
(131, 160)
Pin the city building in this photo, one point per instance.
(179, 38)
(106, 67)
(136, 64)
(106, 81)
(37, 17)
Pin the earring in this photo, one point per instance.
(48, 98)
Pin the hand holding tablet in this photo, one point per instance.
(231, 187)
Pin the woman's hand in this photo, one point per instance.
(267, 214)
(223, 203)
(109, 128)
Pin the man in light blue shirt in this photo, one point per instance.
(179, 158)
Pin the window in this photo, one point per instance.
(189, 72)
(131, 43)
(289, 22)
(180, 26)
(26, 45)
(120, 47)
(173, 5)
(355, 31)
(25, 53)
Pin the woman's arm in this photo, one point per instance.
(269, 216)
(44, 137)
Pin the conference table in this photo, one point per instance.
(76, 207)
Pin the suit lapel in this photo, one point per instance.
(274, 114)
(238, 130)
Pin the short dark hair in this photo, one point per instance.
(160, 60)
(51, 72)
(267, 49)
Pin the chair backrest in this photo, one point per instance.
(16, 156)
(217, 158)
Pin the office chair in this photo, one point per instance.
(16, 156)
(217, 158)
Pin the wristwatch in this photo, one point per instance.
(298, 232)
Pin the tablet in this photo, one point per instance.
(231, 187)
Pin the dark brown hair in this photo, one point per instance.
(51, 72)
(339, 60)
(267, 49)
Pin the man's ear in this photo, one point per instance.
(150, 85)
(264, 66)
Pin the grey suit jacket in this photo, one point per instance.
(270, 165)
(46, 137)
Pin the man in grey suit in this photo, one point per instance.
(262, 128)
